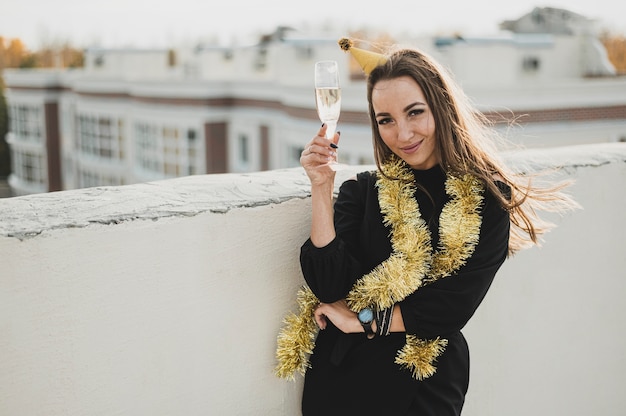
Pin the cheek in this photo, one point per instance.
(427, 126)
(386, 135)
(432, 125)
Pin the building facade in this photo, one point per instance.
(135, 116)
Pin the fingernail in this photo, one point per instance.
(334, 146)
(323, 124)
(338, 132)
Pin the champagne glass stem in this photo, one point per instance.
(331, 126)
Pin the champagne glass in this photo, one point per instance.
(328, 96)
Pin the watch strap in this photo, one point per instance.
(369, 332)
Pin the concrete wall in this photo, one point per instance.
(166, 298)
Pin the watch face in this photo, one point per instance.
(366, 315)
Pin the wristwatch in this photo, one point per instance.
(366, 317)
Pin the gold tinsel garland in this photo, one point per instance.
(296, 344)
(411, 265)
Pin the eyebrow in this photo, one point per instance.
(405, 109)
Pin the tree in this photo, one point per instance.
(616, 50)
(60, 56)
(5, 154)
(12, 53)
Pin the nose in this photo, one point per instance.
(405, 132)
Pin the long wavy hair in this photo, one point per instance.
(465, 142)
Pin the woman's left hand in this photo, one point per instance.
(339, 314)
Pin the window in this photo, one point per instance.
(531, 64)
(171, 151)
(99, 61)
(146, 147)
(167, 150)
(100, 136)
(26, 123)
(171, 58)
(192, 168)
(260, 63)
(105, 138)
(29, 167)
(293, 155)
(120, 139)
(244, 153)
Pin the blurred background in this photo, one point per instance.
(49, 51)
(121, 23)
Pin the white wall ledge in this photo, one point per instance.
(166, 297)
(29, 216)
(567, 157)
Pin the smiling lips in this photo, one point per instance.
(412, 148)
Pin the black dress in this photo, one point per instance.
(352, 375)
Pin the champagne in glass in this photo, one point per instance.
(328, 95)
(328, 100)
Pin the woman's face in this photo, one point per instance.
(405, 121)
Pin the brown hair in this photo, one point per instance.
(466, 143)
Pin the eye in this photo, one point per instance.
(383, 121)
(416, 112)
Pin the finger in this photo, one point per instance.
(322, 141)
(318, 154)
(307, 151)
(321, 321)
(335, 142)
(320, 318)
(328, 142)
(322, 131)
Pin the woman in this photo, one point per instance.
(399, 264)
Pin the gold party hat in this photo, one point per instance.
(367, 59)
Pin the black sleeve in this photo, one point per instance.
(446, 305)
(331, 271)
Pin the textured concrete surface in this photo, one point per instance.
(27, 216)
(24, 217)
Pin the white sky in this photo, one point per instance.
(160, 23)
